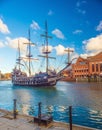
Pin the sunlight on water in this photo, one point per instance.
(85, 99)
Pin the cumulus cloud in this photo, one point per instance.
(60, 49)
(99, 27)
(94, 44)
(91, 53)
(3, 27)
(50, 12)
(13, 43)
(84, 55)
(1, 44)
(35, 25)
(78, 31)
(58, 33)
(43, 49)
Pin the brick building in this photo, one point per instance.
(80, 68)
(95, 64)
(7, 75)
(92, 66)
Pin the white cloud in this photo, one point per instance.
(58, 33)
(13, 43)
(94, 44)
(50, 12)
(77, 31)
(84, 55)
(3, 28)
(1, 44)
(60, 50)
(92, 53)
(43, 49)
(35, 25)
(99, 27)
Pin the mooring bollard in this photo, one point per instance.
(39, 113)
(70, 117)
(14, 109)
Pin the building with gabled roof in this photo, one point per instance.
(89, 67)
(95, 64)
(80, 68)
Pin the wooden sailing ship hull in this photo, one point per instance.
(39, 80)
(35, 84)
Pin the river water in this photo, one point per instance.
(85, 99)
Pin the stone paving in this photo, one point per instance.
(24, 122)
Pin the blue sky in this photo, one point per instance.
(75, 24)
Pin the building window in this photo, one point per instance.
(96, 67)
(82, 63)
(101, 67)
(93, 68)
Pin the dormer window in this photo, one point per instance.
(82, 63)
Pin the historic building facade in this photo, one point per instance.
(90, 67)
(80, 68)
(95, 64)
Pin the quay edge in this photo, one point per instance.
(55, 125)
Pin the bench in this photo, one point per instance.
(45, 119)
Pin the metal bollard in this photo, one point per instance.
(70, 117)
(14, 109)
(39, 113)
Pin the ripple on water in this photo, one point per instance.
(85, 99)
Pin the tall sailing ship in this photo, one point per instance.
(47, 78)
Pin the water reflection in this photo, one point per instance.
(85, 99)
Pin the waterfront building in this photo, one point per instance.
(0, 75)
(7, 75)
(95, 64)
(91, 67)
(80, 68)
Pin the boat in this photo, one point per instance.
(47, 78)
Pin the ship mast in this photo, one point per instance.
(19, 59)
(46, 38)
(46, 52)
(29, 55)
(68, 62)
(68, 51)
